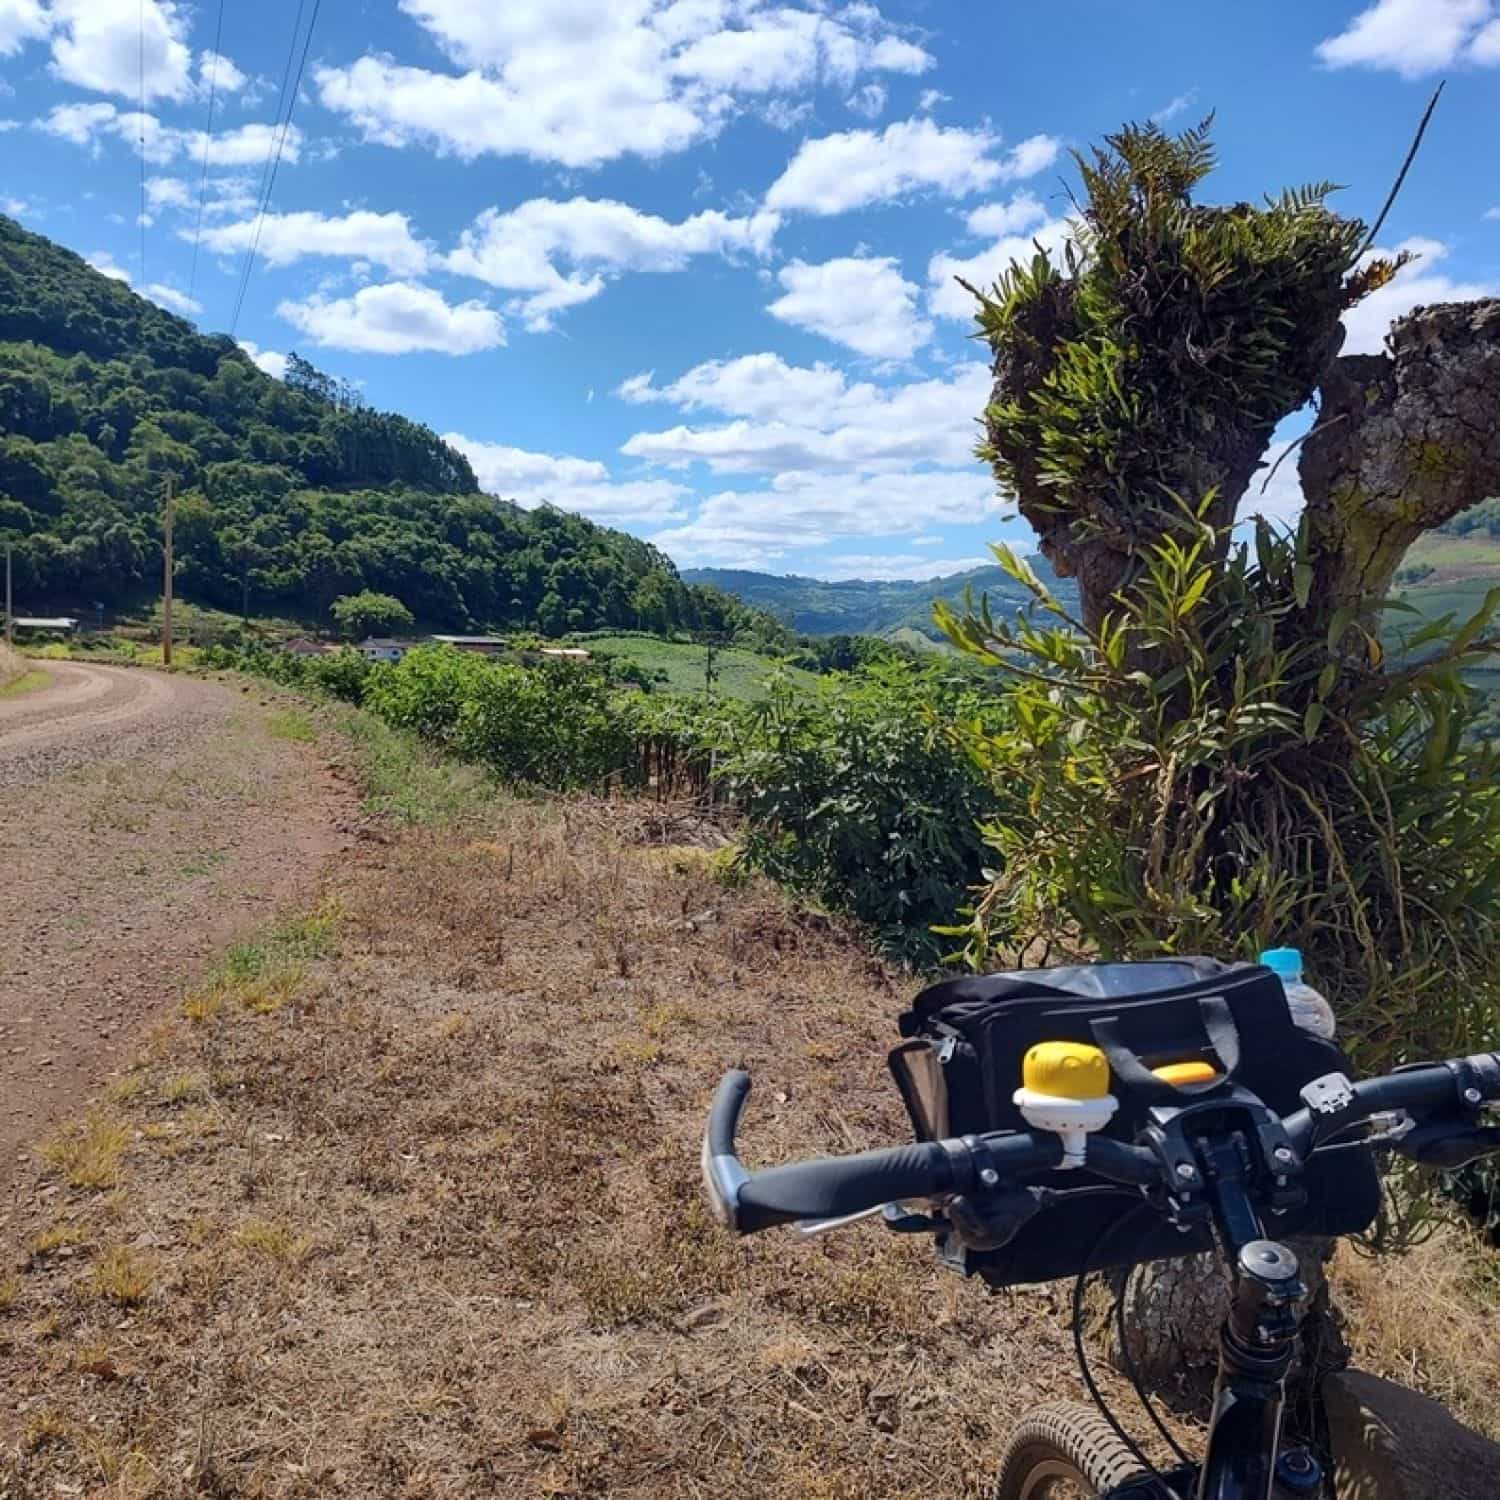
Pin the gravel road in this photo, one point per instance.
(145, 820)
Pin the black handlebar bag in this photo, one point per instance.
(962, 1062)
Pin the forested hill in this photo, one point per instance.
(873, 606)
(290, 493)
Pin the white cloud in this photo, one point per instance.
(1419, 284)
(383, 239)
(798, 510)
(397, 317)
(272, 361)
(854, 168)
(89, 124)
(909, 567)
(101, 44)
(835, 458)
(869, 101)
(788, 417)
(104, 263)
(929, 99)
(15, 207)
(1017, 226)
(863, 303)
(593, 80)
(225, 77)
(1492, 213)
(170, 297)
(166, 192)
(21, 21)
(577, 484)
(595, 240)
(1413, 37)
(1175, 107)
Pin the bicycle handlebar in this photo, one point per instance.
(831, 1187)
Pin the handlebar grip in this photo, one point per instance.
(834, 1186)
(724, 1113)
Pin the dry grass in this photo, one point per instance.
(1429, 1319)
(88, 1153)
(433, 1226)
(121, 1275)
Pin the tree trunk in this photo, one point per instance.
(1404, 441)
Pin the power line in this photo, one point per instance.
(273, 161)
(208, 135)
(141, 78)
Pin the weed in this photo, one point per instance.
(121, 1274)
(272, 1242)
(291, 724)
(203, 1004)
(185, 1087)
(10, 1290)
(127, 1088)
(62, 1235)
(44, 1429)
(87, 1153)
(665, 1017)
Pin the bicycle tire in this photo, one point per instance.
(1065, 1449)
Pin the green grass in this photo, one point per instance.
(291, 724)
(407, 780)
(740, 673)
(27, 682)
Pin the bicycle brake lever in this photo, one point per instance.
(812, 1228)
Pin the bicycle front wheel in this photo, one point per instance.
(1065, 1451)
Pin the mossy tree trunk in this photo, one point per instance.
(1404, 441)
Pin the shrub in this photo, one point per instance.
(552, 726)
(854, 794)
(426, 690)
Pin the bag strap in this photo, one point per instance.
(1218, 1029)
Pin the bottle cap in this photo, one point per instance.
(1285, 962)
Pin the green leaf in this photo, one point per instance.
(1326, 679)
(1471, 629)
(1312, 719)
(1302, 582)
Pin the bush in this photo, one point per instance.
(854, 794)
(425, 691)
(554, 726)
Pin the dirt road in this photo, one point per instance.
(144, 821)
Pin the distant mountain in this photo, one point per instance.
(879, 606)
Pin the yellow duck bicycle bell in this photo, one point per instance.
(1065, 1089)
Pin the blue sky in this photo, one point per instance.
(686, 265)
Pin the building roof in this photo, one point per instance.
(471, 640)
(42, 622)
(386, 643)
(574, 653)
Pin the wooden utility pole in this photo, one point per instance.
(10, 614)
(166, 591)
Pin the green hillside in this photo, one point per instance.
(290, 493)
(873, 606)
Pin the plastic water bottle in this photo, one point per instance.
(1309, 1009)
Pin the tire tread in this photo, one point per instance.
(1072, 1431)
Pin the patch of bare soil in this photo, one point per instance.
(421, 1216)
(144, 821)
